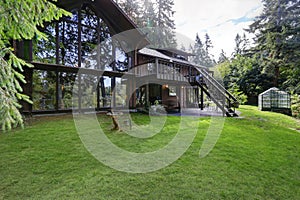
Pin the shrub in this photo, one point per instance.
(296, 105)
(239, 95)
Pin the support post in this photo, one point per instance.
(147, 95)
(79, 92)
(113, 79)
(57, 79)
(57, 90)
(202, 99)
(24, 50)
(156, 66)
(98, 94)
(103, 93)
(113, 91)
(197, 96)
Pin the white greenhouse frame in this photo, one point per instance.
(275, 100)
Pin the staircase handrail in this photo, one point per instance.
(215, 82)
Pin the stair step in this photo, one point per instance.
(218, 94)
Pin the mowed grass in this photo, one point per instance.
(256, 157)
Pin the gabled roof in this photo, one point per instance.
(156, 54)
(273, 89)
(177, 51)
(115, 18)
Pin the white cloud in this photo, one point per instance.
(214, 17)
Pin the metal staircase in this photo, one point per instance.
(216, 92)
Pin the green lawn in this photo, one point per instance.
(256, 157)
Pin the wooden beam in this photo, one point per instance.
(64, 68)
(79, 38)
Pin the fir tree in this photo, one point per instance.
(241, 45)
(19, 20)
(131, 8)
(238, 45)
(149, 20)
(166, 24)
(155, 18)
(208, 58)
(277, 40)
(222, 57)
(245, 44)
(199, 51)
(148, 16)
(208, 43)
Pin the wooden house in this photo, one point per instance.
(90, 42)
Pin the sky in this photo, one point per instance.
(221, 19)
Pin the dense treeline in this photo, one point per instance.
(273, 60)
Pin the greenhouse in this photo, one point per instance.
(275, 100)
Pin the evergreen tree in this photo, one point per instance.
(131, 8)
(148, 16)
(238, 45)
(19, 20)
(245, 44)
(277, 40)
(222, 57)
(166, 24)
(149, 20)
(208, 43)
(208, 58)
(241, 45)
(155, 18)
(199, 51)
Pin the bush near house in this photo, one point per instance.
(296, 106)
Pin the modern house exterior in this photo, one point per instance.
(100, 42)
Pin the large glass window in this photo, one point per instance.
(105, 92)
(192, 99)
(89, 91)
(69, 40)
(45, 49)
(65, 90)
(44, 90)
(120, 93)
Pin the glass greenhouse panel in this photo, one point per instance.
(274, 99)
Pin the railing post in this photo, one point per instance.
(157, 70)
(202, 99)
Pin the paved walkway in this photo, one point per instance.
(198, 112)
